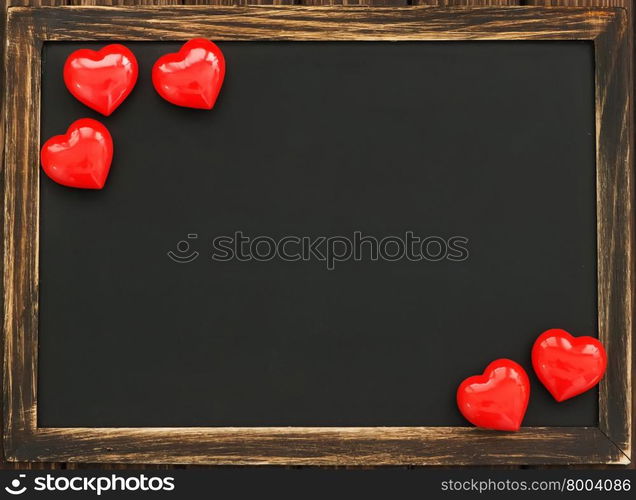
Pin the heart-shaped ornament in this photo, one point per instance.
(568, 366)
(191, 77)
(80, 158)
(101, 79)
(497, 399)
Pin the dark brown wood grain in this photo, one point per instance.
(110, 3)
(323, 446)
(615, 194)
(349, 3)
(578, 3)
(609, 443)
(316, 23)
(237, 2)
(5, 4)
(467, 3)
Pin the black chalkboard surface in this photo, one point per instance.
(492, 142)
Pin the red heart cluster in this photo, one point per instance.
(102, 80)
(567, 366)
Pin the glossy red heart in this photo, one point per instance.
(80, 158)
(568, 366)
(498, 398)
(191, 77)
(101, 79)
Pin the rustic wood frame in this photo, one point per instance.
(609, 443)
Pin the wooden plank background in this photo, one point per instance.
(4, 4)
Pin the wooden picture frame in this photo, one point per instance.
(609, 443)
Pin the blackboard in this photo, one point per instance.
(490, 141)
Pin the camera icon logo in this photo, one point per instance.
(15, 489)
(184, 254)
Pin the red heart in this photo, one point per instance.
(80, 158)
(101, 80)
(567, 365)
(498, 399)
(192, 77)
